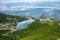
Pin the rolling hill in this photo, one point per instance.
(10, 19)
(39, 31)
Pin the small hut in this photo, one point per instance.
(43, 17)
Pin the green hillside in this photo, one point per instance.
(10, 19)
(39, 31)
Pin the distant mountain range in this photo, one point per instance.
(50, 9)
(35, 12)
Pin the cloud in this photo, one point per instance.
(14, 8)
(23, 8)
(3, 8)
(49, 9)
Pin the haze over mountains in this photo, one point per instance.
(31, 9)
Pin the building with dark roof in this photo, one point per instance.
(42, 17)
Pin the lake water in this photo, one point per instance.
(24, 24)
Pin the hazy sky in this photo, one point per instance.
(10, 1)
